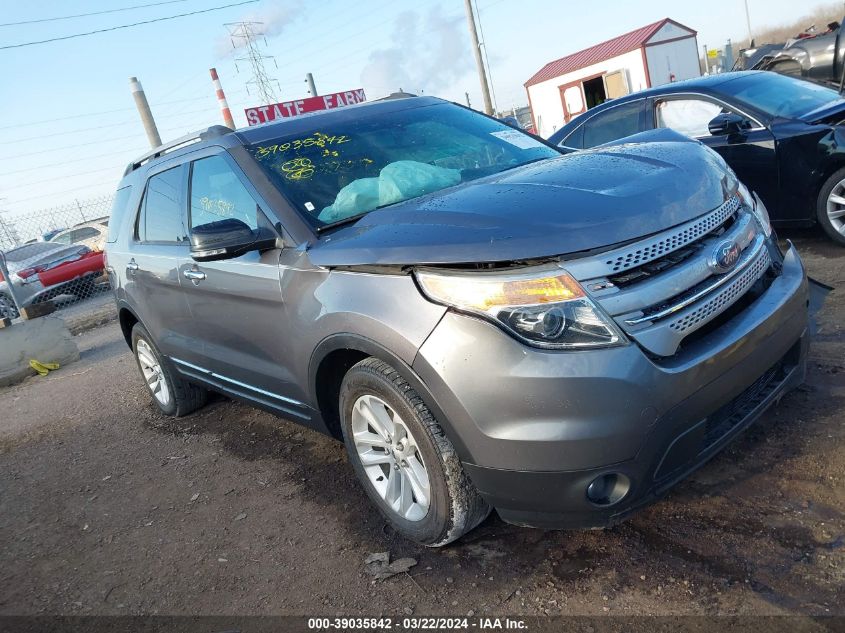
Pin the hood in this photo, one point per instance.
(832, 113)
(561, 206)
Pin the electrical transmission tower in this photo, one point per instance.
(245, 35)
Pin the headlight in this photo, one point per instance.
(547, 309)
(757, 207)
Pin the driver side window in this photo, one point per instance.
(218, 194)
(686, 116)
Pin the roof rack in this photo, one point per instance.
(202, 135)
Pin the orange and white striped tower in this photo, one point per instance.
(221, 99)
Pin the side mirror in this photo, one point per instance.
(727, 123)
(229, 238)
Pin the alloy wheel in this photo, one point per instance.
(153, 373)
(836, 207)
(391, 458)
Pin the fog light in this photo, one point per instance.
(607, 489)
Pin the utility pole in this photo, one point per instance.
(246, 34)
(469, 105)
(748, 24)
(312, 89)
(221, 100)
(144, 111)
(479, 62)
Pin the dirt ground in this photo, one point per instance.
(106, 507)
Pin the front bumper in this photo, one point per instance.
(534, 427)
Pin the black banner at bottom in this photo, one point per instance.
(485, 624)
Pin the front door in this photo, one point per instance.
(237, 304)
(752, 154)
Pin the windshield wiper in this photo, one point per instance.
(349, 220)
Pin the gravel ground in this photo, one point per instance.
(106, 507)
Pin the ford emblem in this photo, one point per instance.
(724, 257)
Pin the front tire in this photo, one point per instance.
(402, 458)
(173, 395)
(830, 210)
(7, 308)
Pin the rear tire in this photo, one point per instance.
(412, 473)
(830, 208)
(173, 395)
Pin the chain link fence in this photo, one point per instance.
(56, 255)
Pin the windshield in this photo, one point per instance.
(336, 173)
(781, 96)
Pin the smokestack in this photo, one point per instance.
(221, 99)
(144, 111)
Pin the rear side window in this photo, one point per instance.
(614, 123)
(160, 219)
(61, 238)
(118, 208)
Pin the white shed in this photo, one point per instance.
(655, 54)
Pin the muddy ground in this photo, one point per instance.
(106, 507)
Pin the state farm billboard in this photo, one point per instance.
(286, 109)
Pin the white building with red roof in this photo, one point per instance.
(652, 55)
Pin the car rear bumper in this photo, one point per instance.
(535, 428)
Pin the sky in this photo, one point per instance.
(68, 124)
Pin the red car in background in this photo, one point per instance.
(42, 271)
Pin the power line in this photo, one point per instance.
(85, 15)
(126, 26)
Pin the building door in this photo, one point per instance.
(594, 93)
(572, 97)
(616, 84)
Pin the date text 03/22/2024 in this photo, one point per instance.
(416, 624)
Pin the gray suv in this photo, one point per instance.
(486, 323)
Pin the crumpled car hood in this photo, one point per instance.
(562, 206)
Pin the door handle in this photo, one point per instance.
(131, 267)
(194, 275)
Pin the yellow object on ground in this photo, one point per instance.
(43, 368)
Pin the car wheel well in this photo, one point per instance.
(329, 377)
(127, 322)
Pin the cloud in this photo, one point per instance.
(274, 20)
(429, 53)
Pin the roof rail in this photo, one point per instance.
(202, 135)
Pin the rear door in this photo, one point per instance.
(158, 246)
(752, 154)
(240, 317)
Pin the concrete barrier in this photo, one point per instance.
(46, 339)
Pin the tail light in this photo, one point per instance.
(26, 273)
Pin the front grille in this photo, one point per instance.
(724, 420)
(726, 297)
(652, 268)
(664, 288)
(683, 235)
(693, 444)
